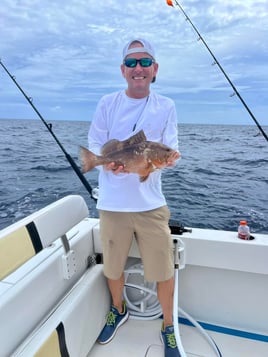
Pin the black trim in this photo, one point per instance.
(35, 238)
(62, 342)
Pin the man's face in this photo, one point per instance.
(139, 78)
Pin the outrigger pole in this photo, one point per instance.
(49, 128)
(176, 3)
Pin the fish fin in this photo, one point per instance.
(116, 145)
(110, 146)
(143, 178)
(88, 159)
(135, 139)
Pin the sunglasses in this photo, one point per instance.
(144, 62)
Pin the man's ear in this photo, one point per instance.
(123, 70)
(155, 72)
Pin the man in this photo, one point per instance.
(128, 207)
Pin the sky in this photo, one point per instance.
(67, 54)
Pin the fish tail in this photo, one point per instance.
(88, 159)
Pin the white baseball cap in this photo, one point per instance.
(147, 47)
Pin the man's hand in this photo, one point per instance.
(115, 168)
(173, 158)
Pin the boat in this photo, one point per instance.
(54, 298)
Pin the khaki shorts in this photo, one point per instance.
(152, 233)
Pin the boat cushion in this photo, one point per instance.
(33, 289)
(75, 324)
(55, 345)
(15, 249)
(22, 240)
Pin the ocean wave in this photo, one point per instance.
(50, 168)
(221, 179)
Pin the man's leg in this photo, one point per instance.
(165, 291)
(116, 289)
(118, 313)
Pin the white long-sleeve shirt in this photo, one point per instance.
(118, 117)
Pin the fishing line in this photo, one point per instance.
(200, 38)
(49, 128)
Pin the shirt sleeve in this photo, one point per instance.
(98, 132)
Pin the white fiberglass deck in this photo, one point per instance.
(142, 339)
(223, 283)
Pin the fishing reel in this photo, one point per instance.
(95, 193)
(177, 228)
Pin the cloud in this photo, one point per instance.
(68, 54)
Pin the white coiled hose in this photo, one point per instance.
(142, 302)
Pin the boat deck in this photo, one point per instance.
(142, 339)
(68, 312)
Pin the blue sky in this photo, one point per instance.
(67, 54)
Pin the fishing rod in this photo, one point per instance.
(176, 3)
(49, 128)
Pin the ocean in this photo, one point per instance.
(221, 179)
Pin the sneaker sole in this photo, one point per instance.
(117, 327)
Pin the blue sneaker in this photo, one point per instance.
(169, 341)
(114, 321)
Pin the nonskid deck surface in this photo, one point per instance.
(138, 338)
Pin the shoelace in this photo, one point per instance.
(111, 318)
(171, 340)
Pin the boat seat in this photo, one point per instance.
(22, 240)
(74, 326)
(42, 257)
